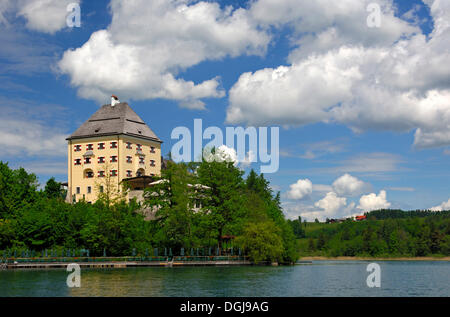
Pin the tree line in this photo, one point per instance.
(386, 233)
(197, 205)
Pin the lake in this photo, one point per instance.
(321, 278)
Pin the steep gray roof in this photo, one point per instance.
(120, 119)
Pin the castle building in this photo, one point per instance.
(115, 144)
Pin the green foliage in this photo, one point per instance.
(234, 212)
(297, 227)
(17, 188)
(224, 200)
(53, 189)
(171, 195)
(414, 234)
(262, 242)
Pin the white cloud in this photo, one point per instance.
(24, 136)
(322, 188)
(331, 203)
(348, 185)
(377, 162)
(46, 167)
(248, 160)
(374, 202)
(148, 43)
(5, 6)
(315, 150)
(29, 129)
(301, 189)
(444, 206)
(48, 16)
(393, 78)
(331, 206)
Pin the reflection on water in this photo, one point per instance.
(322, 278)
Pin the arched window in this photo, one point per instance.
(88, 173)
(140, 172)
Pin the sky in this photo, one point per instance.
(363, 104)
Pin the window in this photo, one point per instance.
(101, 189)
(140, 173)
(141, 160)
(113, 145)
(89, 147)
(101, 159)
(77, 148)
(78, 190)
(113, 159)
(139, 147)
(87, 160)
(89, 174)
(129, 145)
(129, 174)
(152, 163)
(89, 189)
(113, 172)
(152, 149)
(129, 159)
(101, 146)
(77, 161)
(101, 173)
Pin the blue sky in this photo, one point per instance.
(364, 113)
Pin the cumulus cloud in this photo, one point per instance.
(330, 206)
(444, 206)
(331, 203)
(141, 59)
(393, 78)
(348, 185)
(374, 202)
(48, 16)
(301, 189)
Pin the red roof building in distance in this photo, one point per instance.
(359, 218)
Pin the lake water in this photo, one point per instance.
(322, 278)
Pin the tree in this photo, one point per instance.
(53, 189)
(225, 200)
(109, 190)
(321, 241)
(297, 227)
(311, 245)
(172, 196)
(17, 187)
(262, 242)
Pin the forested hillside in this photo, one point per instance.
(389, 233)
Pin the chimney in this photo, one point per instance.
(114, 100)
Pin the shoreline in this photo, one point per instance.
(122, 264)
(360, 258)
